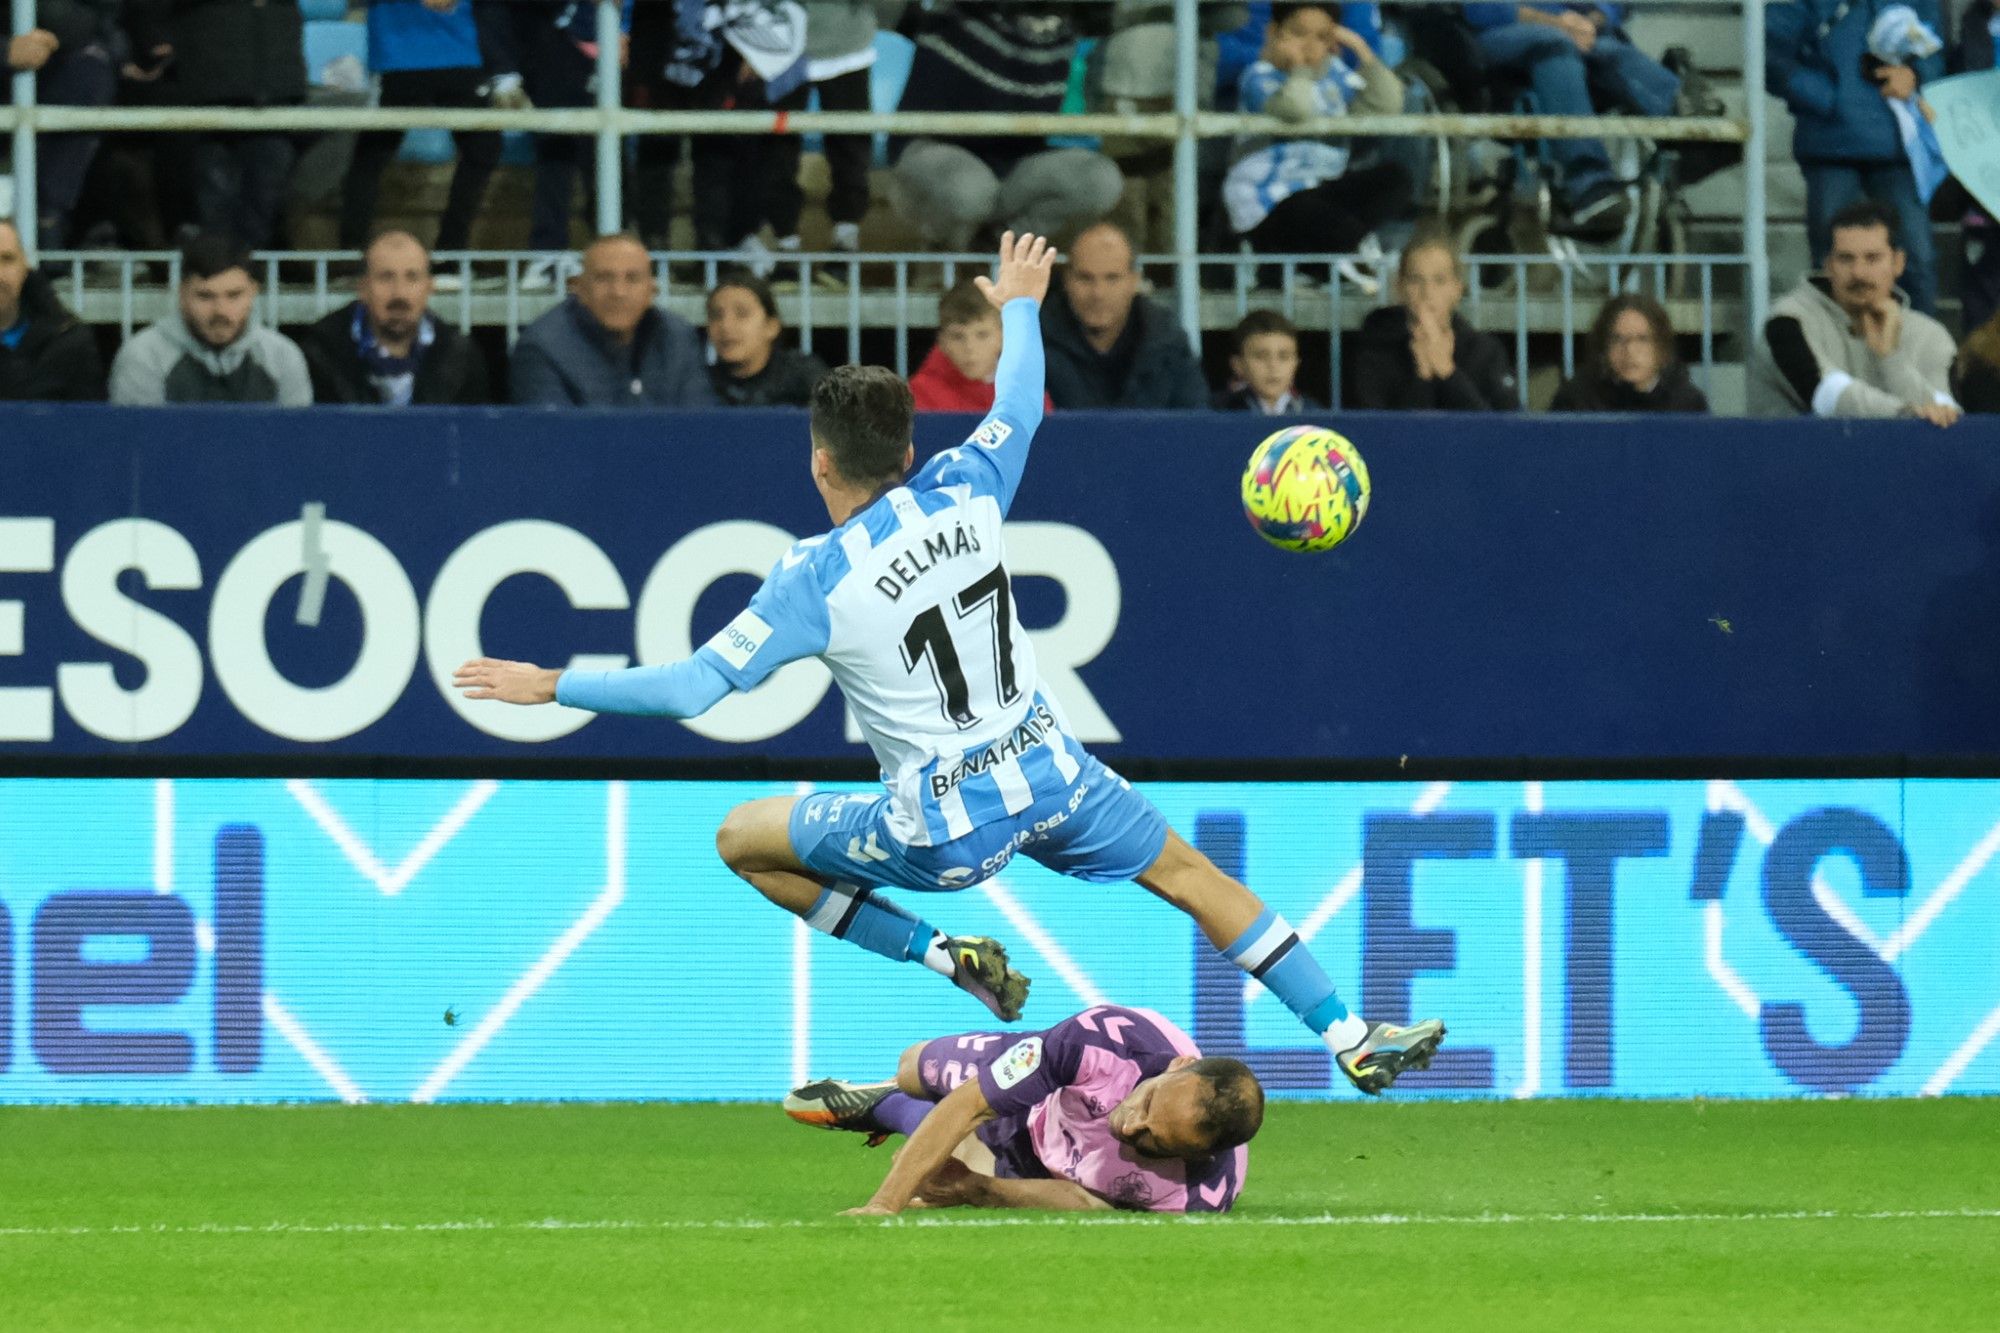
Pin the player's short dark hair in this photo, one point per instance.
(1864, 213)
(740, 277)
(964, 304)
(1235, 1109)
(1258, 323)
(864, 417)
(210, 254)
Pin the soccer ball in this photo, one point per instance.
(1305, 489)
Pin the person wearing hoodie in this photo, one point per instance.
(45, 353)
(210, 350)
(1108, 346)
(1844, 134)
(1422, 355)
(387, 347)
(957, 375)
(750, 367)
(1846, 343)
(1629, 364)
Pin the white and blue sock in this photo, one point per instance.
(852, 913)
(1272, 952)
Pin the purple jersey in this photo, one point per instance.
(1052, 1094)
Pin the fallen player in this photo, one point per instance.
(1111, 1108)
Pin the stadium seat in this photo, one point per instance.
(328, 45)
(324, 11)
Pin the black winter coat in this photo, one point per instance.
(1162, 371)
(1598, 392)
(57, 358)
(452, 370)
(1385, 372)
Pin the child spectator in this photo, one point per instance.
(1629, 364)
(1297, 196)
(1422, 355)
(1265, 365)
(748, 366)
(957, 376)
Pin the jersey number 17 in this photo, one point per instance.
(928, 641)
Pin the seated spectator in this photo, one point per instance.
(427, 53)
(751, 367)
(1297, 196)
(386, 347)
(1976, 378)
(241, 53)
(1108, 346)
(996, 58)
(1565, 51)
(1846, 344)
(45, 353)
(1844, 134)
(1422, 355)
(1629, 364)
(210, 349)
(607, 344)
(1266, 367)
(957, 375)
(71, 54)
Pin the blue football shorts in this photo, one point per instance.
(1098, 829)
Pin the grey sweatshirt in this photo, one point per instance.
(168, 364)
(1811, 359)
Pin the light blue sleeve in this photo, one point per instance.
(784, 622)
(687, 688)
(993, 457)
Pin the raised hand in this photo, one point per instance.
(509, 682)
(1025, 264)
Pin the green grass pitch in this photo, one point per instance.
(1465, 1216)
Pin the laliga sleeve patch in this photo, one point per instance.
(992, 435)
(1022, 1059)
(738, 641)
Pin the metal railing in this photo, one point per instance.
(609, 123)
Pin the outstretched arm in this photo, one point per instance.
(681, 689)
(954, 1185)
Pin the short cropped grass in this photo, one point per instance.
(1467, 1217)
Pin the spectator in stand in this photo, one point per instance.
(1012, 58)
(427, 53)
(74, 53)
(1422, 355)
(1975, 381)
(1108, 346)
(1629, 364)
(750, 366)
(554, 45)
(1565, 51)
(247, 53)
(957, 375)
(1297, 196)
(45, 354)
(1979, 280)
(386, 347)
(607, 344)
(840, 52)
(1266, 368)
(1844, 134)
(210, 349)
(1846, 343)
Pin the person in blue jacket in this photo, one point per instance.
(1844, 135)
(1567, 51)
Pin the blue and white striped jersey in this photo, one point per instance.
(908, 604)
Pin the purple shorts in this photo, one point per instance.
(946, 1062)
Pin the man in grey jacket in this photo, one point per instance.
(607, 344)
(210, 350)
(1846, 343)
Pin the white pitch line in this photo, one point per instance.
(1343, 893)
(1726, 977)
(1531, 959)
(363, 858)
(922, 1220)
(316, 1055)
(1948, 1072)
(536, 977)
(1043, 943)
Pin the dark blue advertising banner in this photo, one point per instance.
(254, 583)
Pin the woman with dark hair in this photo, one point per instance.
(747, 364)
(1629, 364)
(1975, 380)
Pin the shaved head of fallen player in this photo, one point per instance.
(1198, 1108)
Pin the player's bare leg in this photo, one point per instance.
(1262, 943)
(755, 842)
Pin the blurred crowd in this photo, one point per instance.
(1856, 338)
